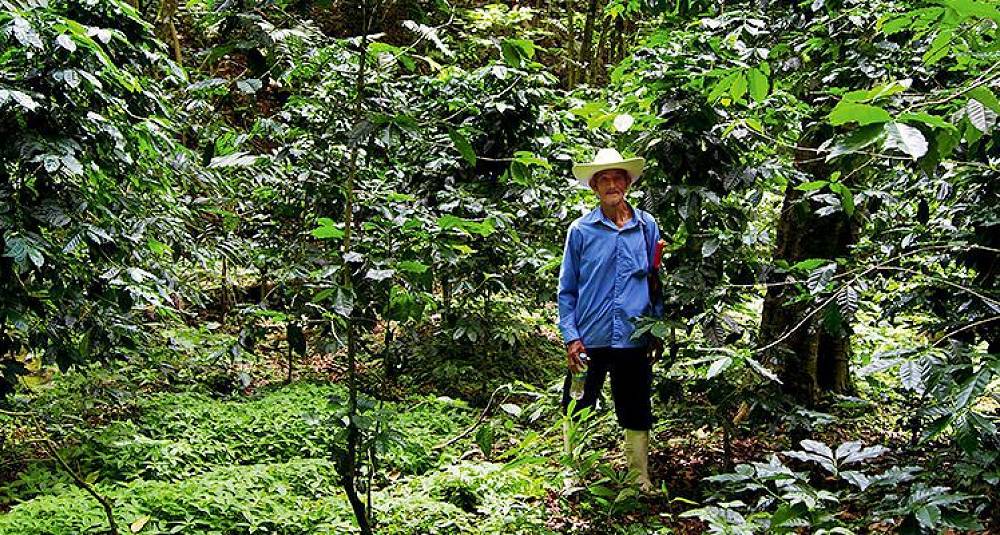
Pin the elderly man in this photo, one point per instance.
(602, 287)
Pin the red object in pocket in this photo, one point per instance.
(658, 254)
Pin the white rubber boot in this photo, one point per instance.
(637, 453)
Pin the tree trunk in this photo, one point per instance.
(570, 46)
(600, 59)
(620, 35)
(165, 28)
(587, 46)
(812, 359)
(349, 469)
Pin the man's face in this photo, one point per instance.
(610, 185)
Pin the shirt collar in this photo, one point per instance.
(597, 216)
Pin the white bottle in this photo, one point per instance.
(579, 378)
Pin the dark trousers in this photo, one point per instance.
(631, 384)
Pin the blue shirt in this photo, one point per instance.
(602, 281)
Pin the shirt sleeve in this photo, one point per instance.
(569, 276)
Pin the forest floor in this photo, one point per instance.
(173, 454)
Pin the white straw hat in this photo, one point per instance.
(608, 159)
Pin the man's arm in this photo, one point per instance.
(569, 274)
(569, 277)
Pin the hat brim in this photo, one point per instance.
(633, 166)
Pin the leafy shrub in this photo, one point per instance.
(785, 500)
(467, 497)
(297, 497)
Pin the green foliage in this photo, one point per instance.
(181, 435)
(464, 498)
(83, 188)
(301, 495)
(787, 500)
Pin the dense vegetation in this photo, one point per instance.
(290, 267)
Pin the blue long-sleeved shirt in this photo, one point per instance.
(602, 281)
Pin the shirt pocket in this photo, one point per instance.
(638, 262)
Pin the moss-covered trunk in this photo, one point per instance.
(813, 357)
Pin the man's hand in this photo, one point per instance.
(573, 355)
(655, 349)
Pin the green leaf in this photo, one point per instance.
(602, 491)
(66, 42)
(974, 9)
(526, 47)
(879, 91)
(758, 85)
(462, 144)
(511, 409)
(722, 86)
(939, 47)
(72, 165)
(511, 54)
(896, 24)
(928, 516)
(379, 274)
(985, 95)
(157, 247)
(753, 123)
(411, 266)
(36, 256)
(846, 198)
(17, 249)
(485, 436)
(972, 389)
(857, 141)
(323, 294)
(343, 304)
(852, 112)
(236, 159)
(905, 138)
(858, 479)
(529, 158)
(911, 375)
(980, 116)
(810, 264)
(327, 230)
(925, 118)
(761, 369)
(718, 367)
(812, 185)
(739, 86)
(448, 222)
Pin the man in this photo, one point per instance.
(602, 287)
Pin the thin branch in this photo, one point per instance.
(105, 504)
(53, 450)
(965, 328)
(943, 281)
(482, 416)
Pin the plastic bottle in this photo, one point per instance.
(579, 378)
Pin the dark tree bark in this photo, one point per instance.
(349, 468)
(570, 45)
(600, 57)
(587, 45)
(811, 360)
